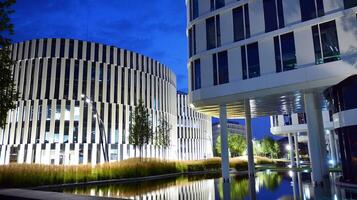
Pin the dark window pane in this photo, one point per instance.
(192, 76)
(214, 60)
(320, 8)
(308, 9)
(350, 3)
(80, 49)
(210, 33)
(223, 67)
(280, 13)
(270, 15)
(190, 42)
(288, 51)
(62, 46)
(253, 60)
(44, 49)
(244, 62)
(197, 73)
(246, 17)
(193, 9)
(238, 24)
(329, 41)
(88, 52)
(317, 46)
(277, 54)
(53, 48)
(219, 4)
(71, 49)
(218, 28)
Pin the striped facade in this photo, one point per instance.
(194, 131)
(54, 124)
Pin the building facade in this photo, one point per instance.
(294, 126)
(75, 102)
(342, 100)
(269, 57)
(194, 131)
(232, 128)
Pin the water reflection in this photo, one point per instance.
(265, 185)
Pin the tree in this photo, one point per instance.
(236, 144)
(162, 135)
(8, 93)
(270, 147)
(140, 128)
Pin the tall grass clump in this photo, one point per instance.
(26, 175)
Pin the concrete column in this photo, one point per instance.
(224, 142)
(332, 147)
(291, 150)
(248, 124)
(296, 142)
(316, 138)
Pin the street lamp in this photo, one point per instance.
(100, 122)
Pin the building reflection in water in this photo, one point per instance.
(208, 188)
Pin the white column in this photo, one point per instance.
(224, 142)
(248, 124)
(332, 147)
(291, 149)
(316, 138)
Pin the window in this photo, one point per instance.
(241, 26)
(196, 74)
(193, 9)
(216, 4)
(311, 9)
(251, 68)
(325, 42)
(350, 3)
(273, 15)
(285, 56)
(287, 120)
(192, 40)
(213, 32)
(220, 68)
(302, 118)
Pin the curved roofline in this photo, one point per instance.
(164, 65)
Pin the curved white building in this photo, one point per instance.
(194, 131)
(73, 92)
(253, 58)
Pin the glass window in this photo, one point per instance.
(350, 3)
(325, 42)
(241, 26)
(80, 49)
(193, 9)
(71, 49)
(273, 15)
(251, 68)
(302, 118)
(53, 48)
(287, 120)
(216, 4)
(192, 40)
(220, 68)
(311, 9)
(196, 74)
(213, 33)
(285, 54)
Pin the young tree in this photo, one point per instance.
(162, 135)
(270, 147)
(236, 144)
(140, 128)
(8, 93)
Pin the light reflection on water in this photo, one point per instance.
(265, 185)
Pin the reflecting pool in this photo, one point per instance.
(266, 185)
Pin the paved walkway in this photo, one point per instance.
(36, 194)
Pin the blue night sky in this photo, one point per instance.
(155, 28)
